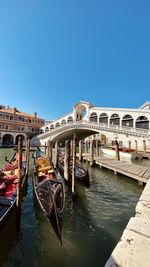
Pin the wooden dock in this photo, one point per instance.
(137, 172)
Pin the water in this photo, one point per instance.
(92, 225)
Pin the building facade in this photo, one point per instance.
(15, 123)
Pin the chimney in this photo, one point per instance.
(15, 110)
(35, 114)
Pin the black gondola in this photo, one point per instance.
(81, 174)
(49, 190)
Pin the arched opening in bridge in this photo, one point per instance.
(103, 118)
(57, 124)
(70, 119)
(63, 122)
(115, 119)
(41, 131)
(17, 138)
(80, 112)
(8, 140)
(142, 122)
(127, 120)
(93, 117)
(46, 129)
(52, 127)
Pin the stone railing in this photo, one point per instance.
(96, 126)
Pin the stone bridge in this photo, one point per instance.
(128, 126)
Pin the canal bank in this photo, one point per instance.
(134, 245)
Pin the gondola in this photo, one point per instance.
(8, 187)
(81, 174)
(49, 190)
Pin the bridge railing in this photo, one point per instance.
(96, 126)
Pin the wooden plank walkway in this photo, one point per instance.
(137, 172)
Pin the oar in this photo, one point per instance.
(55, 211)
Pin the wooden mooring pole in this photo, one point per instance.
(80, 150)
(45, 148)
(144, 146)
(117, 150)
(56, 155)
(49, 150)
(27, 156)
(91, 153)
(67, 160)
(97, 147)
(73, 163)
(18, 201)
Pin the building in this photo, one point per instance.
(15, 123)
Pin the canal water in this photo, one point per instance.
(91, 226)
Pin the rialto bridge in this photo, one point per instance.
(131, 127)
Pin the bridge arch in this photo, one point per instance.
(57, 124)
(80, 112)
(115, 119)
(70, 119)
(127, 120)
(52, 126)
(103, 118)
(142, 122)
(8, 139)
(46, 129)
(63, 122)
(93, 117)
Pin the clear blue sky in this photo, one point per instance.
(55, 53)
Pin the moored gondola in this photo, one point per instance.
(49, 190)
(81, 174)
(8, 187)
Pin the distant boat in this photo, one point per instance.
(49, 190)
(123, 154)
(81, 174)
(8, 187)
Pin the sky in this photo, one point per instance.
(55, 53)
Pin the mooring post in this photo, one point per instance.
(73, 163)
(45, 148)
(136, 146)
(71, 148)
(129, 144)
(27, 156)
(18, 201)
(86, 147)
(91, 153)
(67, 160)
(117, 150)
(80, 150)
(144, 146)
(56, 155)
(49, 150)
(97, 148)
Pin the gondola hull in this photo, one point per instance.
(49, 191)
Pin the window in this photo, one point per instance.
(10, 127)
(6, 127)
(7, 117)
(0, 115)
(11, 118)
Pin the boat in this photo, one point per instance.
(124, 153)
(81, 174)
(8, 187)
(49, 190)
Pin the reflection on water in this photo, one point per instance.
(91, 226)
